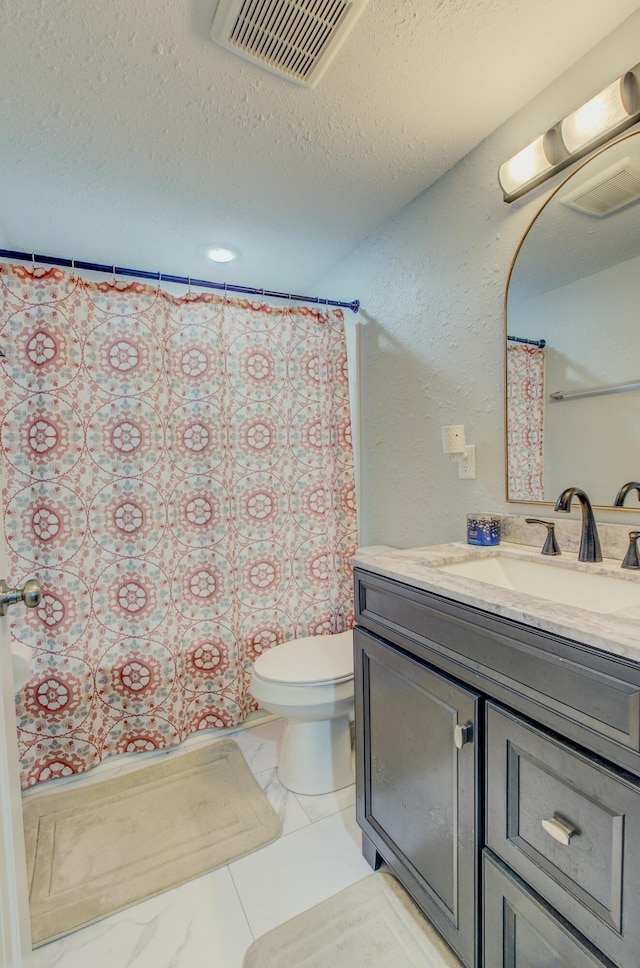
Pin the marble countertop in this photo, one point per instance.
(616, 633)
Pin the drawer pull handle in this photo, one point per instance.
(462, 735)
(560, 830)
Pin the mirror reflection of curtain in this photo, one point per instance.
(181, 483)
(525, 423)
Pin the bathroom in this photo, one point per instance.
(431, 280)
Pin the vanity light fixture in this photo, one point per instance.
(602, 117)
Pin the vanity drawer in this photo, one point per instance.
(568, 825)
(521, 931)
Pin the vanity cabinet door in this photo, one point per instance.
(417, 751)
(521, 931)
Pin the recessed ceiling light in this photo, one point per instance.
(221, 253)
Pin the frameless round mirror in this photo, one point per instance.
(573, 408)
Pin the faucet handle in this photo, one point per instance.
(551, 546)
(631, 559)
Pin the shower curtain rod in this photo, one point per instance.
(541, 343)
(50, 260)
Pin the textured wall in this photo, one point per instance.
(432, 284)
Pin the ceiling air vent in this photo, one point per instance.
(293, 38)
(615, 187)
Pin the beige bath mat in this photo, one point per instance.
(372, 924)
(92, 851)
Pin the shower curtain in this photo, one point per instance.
(525, 423)
(178, 475)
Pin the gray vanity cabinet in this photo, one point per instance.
(417, 763)
(521, 843)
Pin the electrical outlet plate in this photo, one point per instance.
(467, 466)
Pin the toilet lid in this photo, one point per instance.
(316, 659)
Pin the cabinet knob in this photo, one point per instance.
(559, 829)
(462, 734)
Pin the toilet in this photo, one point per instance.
(309, 681)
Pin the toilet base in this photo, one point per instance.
(315, 757)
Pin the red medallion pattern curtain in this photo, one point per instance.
(178, 475)
(525, 423)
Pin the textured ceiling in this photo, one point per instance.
(128, 136)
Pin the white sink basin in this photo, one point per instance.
(594, 591)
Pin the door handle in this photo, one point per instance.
(30, 594)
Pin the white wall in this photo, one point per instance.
(431, 282)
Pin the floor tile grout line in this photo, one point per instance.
(241, 902)
(335, 808)
(311, 820)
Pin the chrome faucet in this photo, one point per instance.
(589, 540)
(624, 490)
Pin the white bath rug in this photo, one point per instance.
(94, 850)
(372, 924)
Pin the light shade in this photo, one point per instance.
(527, 166)
(603, 113)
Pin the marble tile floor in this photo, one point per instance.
(212, 920)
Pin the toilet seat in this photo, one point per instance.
(310, 661)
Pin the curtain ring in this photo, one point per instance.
(189, 282)
(33, 263)
(114, 273)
